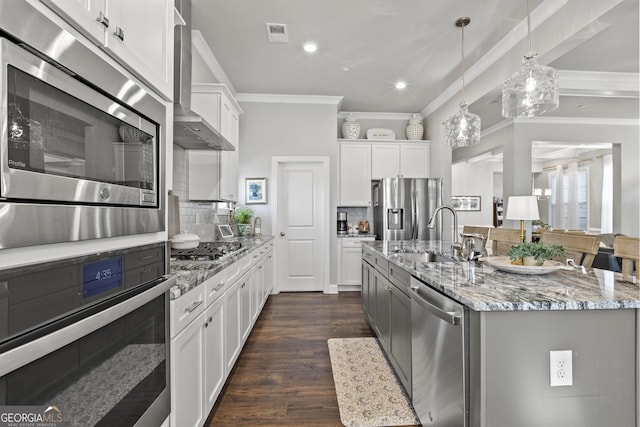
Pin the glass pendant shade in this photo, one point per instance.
(462, 129)
(532, 91)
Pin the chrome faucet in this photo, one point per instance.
(455, 245)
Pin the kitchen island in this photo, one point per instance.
(511, 323)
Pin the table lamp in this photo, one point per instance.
(523, 208)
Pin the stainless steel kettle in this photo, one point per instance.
(473, 246)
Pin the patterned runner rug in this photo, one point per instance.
(369, 393)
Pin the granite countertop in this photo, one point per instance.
(355, 235)
(190, 274)
(496, 290)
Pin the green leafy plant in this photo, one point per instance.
(243, 215)
(538, 250)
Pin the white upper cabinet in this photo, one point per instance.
(217, 106)
(138, 34)
(355, 174)
(385, 160)
(361, 162)
(414, 160)
(87, 16)
(204, 175)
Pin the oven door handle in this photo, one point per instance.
(27, 353)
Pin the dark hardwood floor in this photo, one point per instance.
(283, 375)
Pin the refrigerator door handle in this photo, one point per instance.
(414, 216)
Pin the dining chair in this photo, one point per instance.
(472, 229)
(502, 239)
(628, 248)
(581, 247)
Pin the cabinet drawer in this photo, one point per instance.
(186, 308)
(248, 261)
(355, 242)
(381, 264)
(148, 256)
(399, 277)
(368, 256)
(232, 273)
(144, 274)
(214, 288)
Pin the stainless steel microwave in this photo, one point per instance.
(82, 143)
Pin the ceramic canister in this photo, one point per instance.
(414, 129)
(350, 127)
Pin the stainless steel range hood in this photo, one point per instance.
(190, 130)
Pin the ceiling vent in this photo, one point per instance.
(277, 33)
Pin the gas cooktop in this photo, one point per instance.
(206, 251)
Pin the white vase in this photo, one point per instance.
(414, 129)
(350, 127)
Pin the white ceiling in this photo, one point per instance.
(383, 41)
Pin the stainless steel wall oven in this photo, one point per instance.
(82, 144)
(89, 335)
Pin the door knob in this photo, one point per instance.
(282, 233)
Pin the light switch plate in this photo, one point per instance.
(561, 368)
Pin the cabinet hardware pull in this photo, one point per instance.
(282, 233)
(144, 258)
(193, 306)
(119, 33)
(210, 319)
(103, 20)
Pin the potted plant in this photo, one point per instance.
(243, 216)
(533, 253)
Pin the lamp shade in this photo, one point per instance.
(522, 208)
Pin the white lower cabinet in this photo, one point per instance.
(349, 260)
(245, 306)
(187, 377)
(209, 326)
(214, 368)
(187, 359)
(232, 342)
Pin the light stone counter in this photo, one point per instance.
(190, 274)
(496, 290)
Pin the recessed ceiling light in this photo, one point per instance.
(310, 47)
(401, 85)
(345, 69)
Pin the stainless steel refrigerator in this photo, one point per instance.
(402, 208)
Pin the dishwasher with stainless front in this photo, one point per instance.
(439, 350)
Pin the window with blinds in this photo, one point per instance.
(561, 200)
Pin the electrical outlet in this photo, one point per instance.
(561, 368)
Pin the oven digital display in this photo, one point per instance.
(101, 276)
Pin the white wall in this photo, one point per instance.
(270, 129)
(475, 179)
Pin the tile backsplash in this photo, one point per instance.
(354, 216)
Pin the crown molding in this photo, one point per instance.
(598, 83)
(596, 121)
(376, 115)
(267, 98)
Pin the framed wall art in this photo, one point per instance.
(255, 191)
(466, 203)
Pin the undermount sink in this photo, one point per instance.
(419, 257)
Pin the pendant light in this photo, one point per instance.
(532, 91)
(463, 128)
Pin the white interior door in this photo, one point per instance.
(301, 224)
